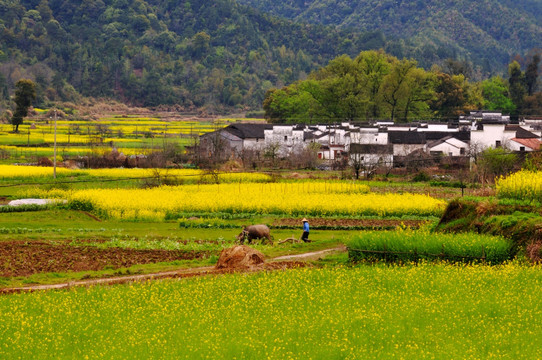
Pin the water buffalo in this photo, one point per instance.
(254, 232)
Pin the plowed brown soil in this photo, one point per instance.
(20, 258)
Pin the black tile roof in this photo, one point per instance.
(406, 137)
(371, 149)
(248, 131)
(521, 133)
(437, 135)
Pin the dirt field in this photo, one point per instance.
(20, 258)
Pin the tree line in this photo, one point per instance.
(189, 53)
(377, 86)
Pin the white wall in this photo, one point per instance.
(515, 146)
(488, 137)
(253, 144)
(451, 147)
(406, 149)
(369, 136)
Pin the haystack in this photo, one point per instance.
(240, 257)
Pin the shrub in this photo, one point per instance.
(84, 205)
(410, 245)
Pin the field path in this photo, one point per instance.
(311, 256)
(190, 272)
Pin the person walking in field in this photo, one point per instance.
(305, 236)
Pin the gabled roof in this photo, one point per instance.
(322, 135)
(436, 135)
(406, 137)
(530, 143)
(521, 133)
(248, 131)
(511, 127)
(442, 141)
(308, 135)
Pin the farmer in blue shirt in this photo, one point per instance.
(305, 236)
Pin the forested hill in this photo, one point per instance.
(486, 32)
(194, 53)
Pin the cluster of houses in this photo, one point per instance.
(386, 141)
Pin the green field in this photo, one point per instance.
(335, 307)
(367, 312)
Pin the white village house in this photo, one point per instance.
(385, 141)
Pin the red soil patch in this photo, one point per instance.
(240, 257)
(244, 258)
(20, 258)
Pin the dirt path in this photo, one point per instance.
(311, 256)
(199, 271)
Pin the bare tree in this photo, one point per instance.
(212, 152)
(368, 158)
(271, 151)
(251, 158)
(305, 157)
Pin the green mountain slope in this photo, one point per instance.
(486, 32)
(193, 53)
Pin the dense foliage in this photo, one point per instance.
(220, 54)
(191, 53)
(486, 33)
(374, 85)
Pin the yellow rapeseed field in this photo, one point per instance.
(193, 175)
(12, 171)
(315, 198)
(367, 312)
(522, 185)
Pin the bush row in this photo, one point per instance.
(410, 245)
(25, 208)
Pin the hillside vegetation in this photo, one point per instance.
(190, 53)
(488, 33)
(222, 55)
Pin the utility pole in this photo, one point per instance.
(54, 152)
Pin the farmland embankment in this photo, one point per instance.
(520, 222)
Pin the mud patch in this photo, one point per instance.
(533, 251)
(20, 258)
(244, 258)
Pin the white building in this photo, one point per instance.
(448, 146)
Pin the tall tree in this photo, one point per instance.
(531, 74)
(374, 65)
(395, 86)
(516, 85)
(4, 92)
(449, 95)
(25, 93)
(419, 92)
(496, 96)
